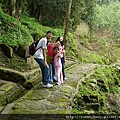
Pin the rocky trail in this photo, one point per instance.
(39, 100)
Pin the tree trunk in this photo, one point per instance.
(39, 15)
(67, 19)
(91, 32)
(10, 7)
(32, 8)
(18, 10)
(64, 22)
(15, 8)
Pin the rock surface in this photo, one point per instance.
(56, 100)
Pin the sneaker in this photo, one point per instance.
(65, 78)
(51, 82)
(48, 85)
(58, 83)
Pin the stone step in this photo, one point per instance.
(9, 92)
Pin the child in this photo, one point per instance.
(58, 65)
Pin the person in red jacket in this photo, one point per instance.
(50, 60)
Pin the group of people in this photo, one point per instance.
(51, 59)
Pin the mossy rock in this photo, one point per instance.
(67, 89)
(21, 51)
(2, 98)
(7, 50)
(61, 112)
(37, 94)
(11, 75)
(94, 106)
(24, 111)
(58, 98)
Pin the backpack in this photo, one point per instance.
(32, 49)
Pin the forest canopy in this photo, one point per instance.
(98, 14)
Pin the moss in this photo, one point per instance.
(92, 57)
(37, 94)
(61, 99)
(73, 84)
(67, 89)
(16, 63)
(22, 111)
(12, 32)
(96, 89)
(57, 112)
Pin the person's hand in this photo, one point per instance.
(64, 59)
(63, 51)
(46, 64)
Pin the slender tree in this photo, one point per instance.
(13, 7)
(67, 20)
(90, 16)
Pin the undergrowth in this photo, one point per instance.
(96, 90)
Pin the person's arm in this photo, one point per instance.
(44, 47)
(59, 54)
(64, 56)
(44, 55)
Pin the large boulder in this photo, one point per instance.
(7, 50)
(11, 75)
(31, 63)
(26, 79)
(21, 51)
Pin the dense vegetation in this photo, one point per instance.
(108, 17)
(93, 37)
(102, 20)
(99, 93)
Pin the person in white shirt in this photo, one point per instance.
(40, 58)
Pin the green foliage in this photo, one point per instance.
(102, 55)
(77, 13)
(90, 14)
(15, 33)
(33, 26)
(49, 13)
(106, 2)
(97, 88)
(92, 57)
(71, 47)
(12, 32)
(40, 30)
(108, 16)
(97, 50)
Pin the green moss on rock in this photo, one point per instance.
(94, 92)
(8, 51)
